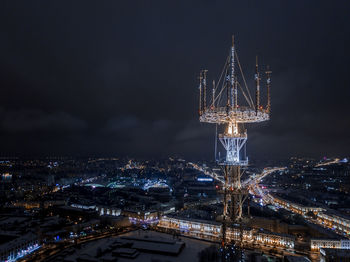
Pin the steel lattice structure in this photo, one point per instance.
(231, 105)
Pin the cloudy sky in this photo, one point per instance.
(120, 77)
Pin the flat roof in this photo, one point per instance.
(155, 244)
(297, 259)
(337, 252)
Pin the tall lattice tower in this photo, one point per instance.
(230, 105)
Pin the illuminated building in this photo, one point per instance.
(141, 217)
(294, 207)
(210, 230)
(108, 211)
(19, 247)
(317, 244)
(324, 218)
(335, 221)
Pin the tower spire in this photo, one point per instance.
(213, 96)
(268, 85)
(200, 93)
(204, 90)
(257, 81)
(232, 76)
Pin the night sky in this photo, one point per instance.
(119, 78)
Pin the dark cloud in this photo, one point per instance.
(94, 78)
(29, 120)
(122, 123)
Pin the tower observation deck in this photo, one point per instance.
(229, 105)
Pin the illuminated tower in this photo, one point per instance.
(231, 106)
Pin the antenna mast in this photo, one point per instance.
(204, 89)
(232, 77)
(213, 98)
(268, 85)
(257, 81)
(200, 93)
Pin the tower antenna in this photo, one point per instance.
(200, 94)
(257, 82)
(204, 89)
(268, 85)
(213, 96)
(232, 76)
